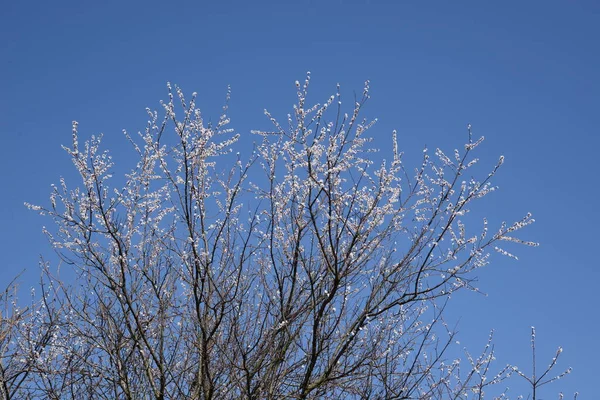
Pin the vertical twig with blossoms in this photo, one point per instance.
(303, 269)
(536, 380)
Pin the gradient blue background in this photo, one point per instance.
(524, 74)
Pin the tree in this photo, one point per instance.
(301, 269)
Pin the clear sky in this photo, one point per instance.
(525, 74)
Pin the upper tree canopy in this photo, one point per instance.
(304, 267)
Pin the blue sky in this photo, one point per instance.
(524, 74)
